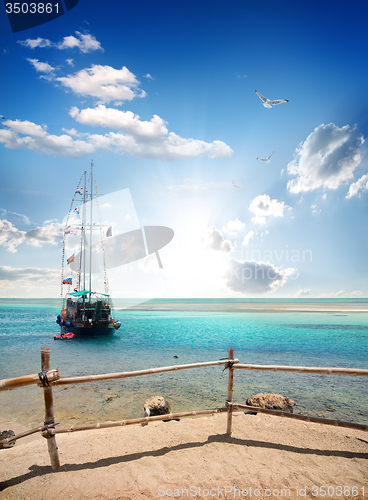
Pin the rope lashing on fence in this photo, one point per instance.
(43, 379)
(43, 428)
(229, 364)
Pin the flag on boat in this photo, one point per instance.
(76, 289)
(73, 231)
(76, 210)
(109, 232)
(79, 191)
(71, 259)
(67, 281)
(67, 230)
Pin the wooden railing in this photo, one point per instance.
(48, 378)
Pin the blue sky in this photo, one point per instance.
(162, 97)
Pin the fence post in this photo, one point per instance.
(49, 408)
(230, 387)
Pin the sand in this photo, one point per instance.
(266, 457)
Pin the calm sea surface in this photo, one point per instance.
(283, 332)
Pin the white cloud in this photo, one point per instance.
(28, 274)
(70, 62)
(314, 209)
(303, 293)
(214, 240)
(324, 196)
(233, 226)
(148, 76)
(41, 67)
(259, 220)
(126, 121)
(327, 158)
(85, 43)
(248, 237)
(11, 237)
(36, 42)
(71, 131)
(37, 139)
(251, 277)
(28, 135)
(359, 185)
(262, 206)
(104, 83)
(13, 217)
(342, 294)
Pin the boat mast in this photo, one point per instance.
(83, 230)
(90, 235)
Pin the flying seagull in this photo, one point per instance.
(267, 160)
(3, 117)
(235, 185)
(267, 102)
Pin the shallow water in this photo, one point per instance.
(194, 330)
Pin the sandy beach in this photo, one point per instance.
(266, 457)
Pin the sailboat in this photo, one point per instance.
(85, 311)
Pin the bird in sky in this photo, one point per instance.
(267, 102)
(267, 160)
(3, 117)
(235, 185)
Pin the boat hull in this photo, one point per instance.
(87, 330)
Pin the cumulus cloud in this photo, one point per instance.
(262, 206)
(233, 226)
(126, 121)
(14, 217)
(214, 240)
(28, 135)
(71, 131)
(251, 277)
(303, 293)
(342, 294)
(35, 42)
(84, 42)
(70, 62)
(327, 158)
(28, 274)
(41, 67)
(104, 83)
(248, 237)
(11, 237)
(356, 187)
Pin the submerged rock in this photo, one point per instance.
(272, 402)
(156, 406)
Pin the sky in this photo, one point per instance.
(161, 96)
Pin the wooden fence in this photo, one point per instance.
(48, 378)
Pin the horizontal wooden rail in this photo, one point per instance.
(13, 383)
(317, 420)
(305, 369)
(131, 421)
(23, 434)
(138, 373)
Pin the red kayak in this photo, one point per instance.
(68, 335)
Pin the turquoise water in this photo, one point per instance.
(194, 330)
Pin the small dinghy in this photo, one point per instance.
(68, 335)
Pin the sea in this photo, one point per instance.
(157, 333)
